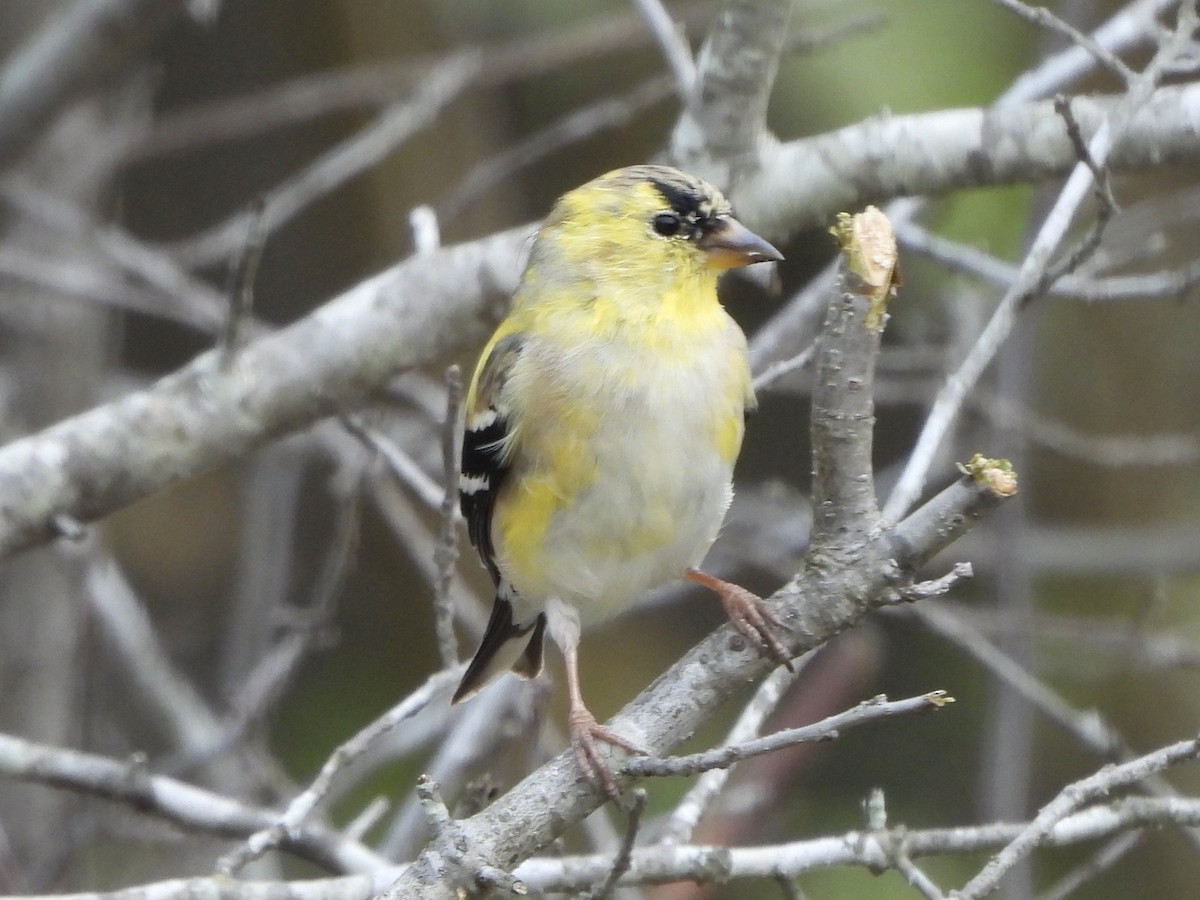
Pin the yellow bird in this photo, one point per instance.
(603, 422)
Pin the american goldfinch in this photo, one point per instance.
(603, 422)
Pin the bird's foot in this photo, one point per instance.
(585, 732)
(749, 614)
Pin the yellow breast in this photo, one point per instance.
(622, 460)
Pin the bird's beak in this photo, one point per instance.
(730, 244)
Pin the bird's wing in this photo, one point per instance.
(485, 463)
(484, 460)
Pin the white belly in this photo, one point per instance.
(660, 490)
(656, 517)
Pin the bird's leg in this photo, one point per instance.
(585, 731)
(748, 613)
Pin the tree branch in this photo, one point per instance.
(200, 416)
(1103, 145)
(421, 310)
(834, 589)
(802, 182)
(827, 729)
(843, 404)
(184, 805)
(723, 125)
(664, 863)
(1070, 799)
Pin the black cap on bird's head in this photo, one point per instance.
(697, 211)
(632, 222)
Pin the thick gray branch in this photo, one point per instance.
(838, 585)
(427, 307)
(202, 416)
(818, 605)
(843, 418)
(802, 182)
(723, 124)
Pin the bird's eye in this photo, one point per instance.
(667, 224)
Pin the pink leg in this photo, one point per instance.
(586, 731)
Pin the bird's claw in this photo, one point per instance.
(753, 619)
(585, 732)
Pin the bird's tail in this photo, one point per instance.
(505, 646)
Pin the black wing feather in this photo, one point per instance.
(484, 462)
(485, 466)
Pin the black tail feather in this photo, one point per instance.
(500, 631)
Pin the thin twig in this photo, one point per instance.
(334, 168)
(125, 624)
(777, 370)
(190, 807)
(1044, 18)
(1108, 450)
(635, 804)
(401, 465)
(309, 97)
(575, 126)
(1106, 205)
(935, 587)
(876, 815)
(1104, 859)
(673, 44)
(242, 275)
(426, 230)
(958, 257)
(827, 729)
(949, 401)
(183, 297)
(688, 812)
(302, 805)
(1088, 728)
(265, 683)
(917, 878)
(95, 283)
(366, 819)
(73, 51)
(1070, 799)
(1130, 643)
(1131, 26)
(400, 513)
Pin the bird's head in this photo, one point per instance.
(646, 222)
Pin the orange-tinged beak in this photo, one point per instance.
(730, 244)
